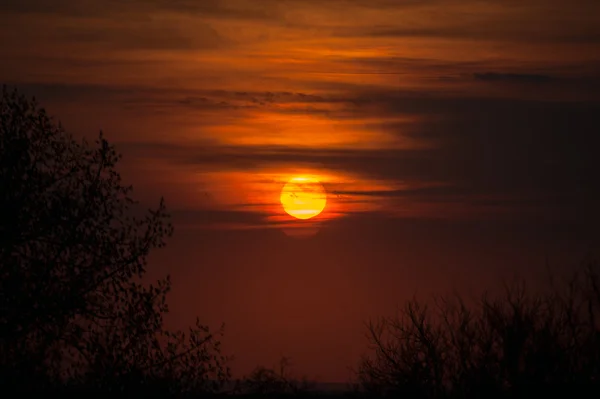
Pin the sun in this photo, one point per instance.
(303, 197)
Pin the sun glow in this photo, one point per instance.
(303, 197)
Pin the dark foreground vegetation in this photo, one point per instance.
(76, 318)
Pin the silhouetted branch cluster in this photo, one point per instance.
(519, 343)
(274, 382)
(72, 255)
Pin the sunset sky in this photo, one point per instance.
(458, 142)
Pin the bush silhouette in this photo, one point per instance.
(521, 343)
(274, 382)
(72, 253)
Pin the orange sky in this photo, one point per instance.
(445, 132)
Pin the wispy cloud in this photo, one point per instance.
(513, 77)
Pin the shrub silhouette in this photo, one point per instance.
(274, 382)
(521, 343)
(72, 253)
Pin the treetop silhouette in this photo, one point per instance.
(72, 254)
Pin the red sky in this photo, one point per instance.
(457, 140)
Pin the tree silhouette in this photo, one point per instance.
(73, 249)
(521, 343)
(274, 382)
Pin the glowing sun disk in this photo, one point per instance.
(303, 197)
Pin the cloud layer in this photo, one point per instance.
(429, 107)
